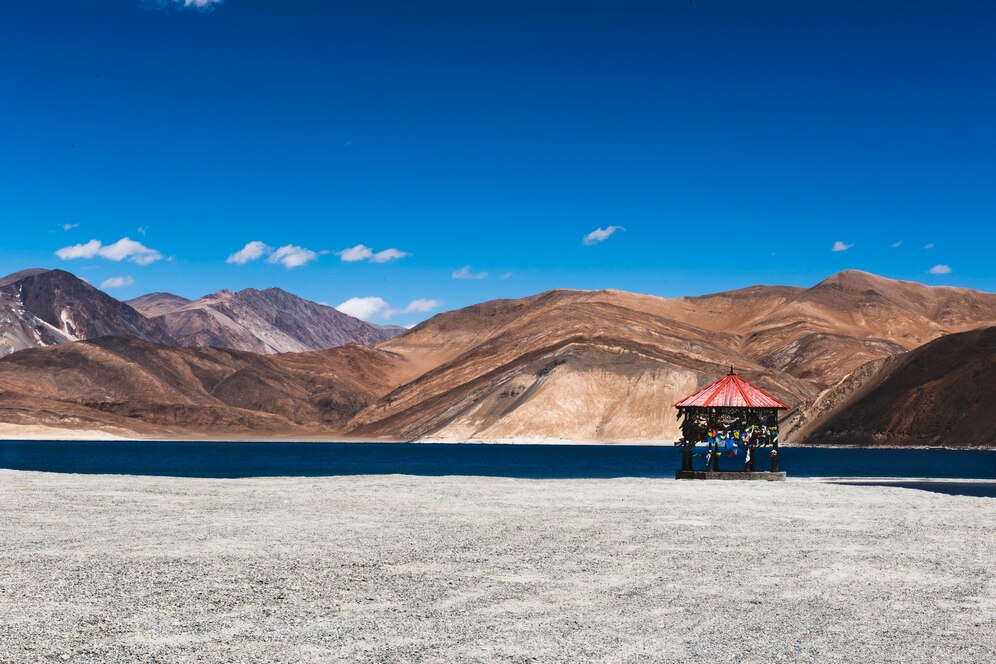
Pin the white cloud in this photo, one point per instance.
(203, 5)
(364, 308)
(370, 308)
(940, 269)
(358, 253)
(123, 249)
(600, 234)
(252, 251)
(87, 250)
(291, 256)
(506, 276)
(840, 246)
(422, 306)
(117, 282)
(929, 245)
(896, 245)
(466, 273)
(361, 252)
(127, 249)
(69, 227)
(388, 255)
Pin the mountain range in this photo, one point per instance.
(259, 321)
(579, 365)
(50, 307)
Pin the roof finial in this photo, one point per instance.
(732, 372)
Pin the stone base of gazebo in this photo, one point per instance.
(728, 475)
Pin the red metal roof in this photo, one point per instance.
(731, 391)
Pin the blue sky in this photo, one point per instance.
(726, 143)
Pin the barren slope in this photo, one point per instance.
(145, 388)
(562, 364)
(608, 364)
(46, 307)
(943, 393)
(156, 304)
(267, 321)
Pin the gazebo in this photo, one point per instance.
(731, 417)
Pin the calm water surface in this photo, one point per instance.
(232, 460)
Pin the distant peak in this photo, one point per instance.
(22, 274)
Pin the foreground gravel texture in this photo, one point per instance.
(402, 569)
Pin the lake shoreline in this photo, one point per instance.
(28, 433)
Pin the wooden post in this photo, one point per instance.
(686, 456)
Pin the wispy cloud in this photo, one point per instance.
(127, 249)
(897, 244)
(69, 227)
(123, 249)
(940, 268)
(929, 245)
(467, 273)
(362, 252)
(252, 251)
(85, 250)
(840, 246)
(600, 235)
(377, 308)
(364, 308)
(422, 306)
(165, 5)
(291, 256)
(117, 282)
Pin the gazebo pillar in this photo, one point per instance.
(686, 456)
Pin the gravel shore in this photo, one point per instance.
(409, 569)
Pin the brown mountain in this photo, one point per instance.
(260, 321)
(156, 304)
(598, 365)
(608, 364)
(943, 393)
(132, 386)
(46, 307)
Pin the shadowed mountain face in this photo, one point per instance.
(259, 321)
(45, 307)
(598, 365)
(943, 393)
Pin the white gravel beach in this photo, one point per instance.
(410, 569)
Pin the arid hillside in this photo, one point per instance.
(581, 365)
(609, 364)
(943, 393)
(133, 387)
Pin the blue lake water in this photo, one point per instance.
(232, 460)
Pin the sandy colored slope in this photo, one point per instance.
(609, 364)
(567, 366)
